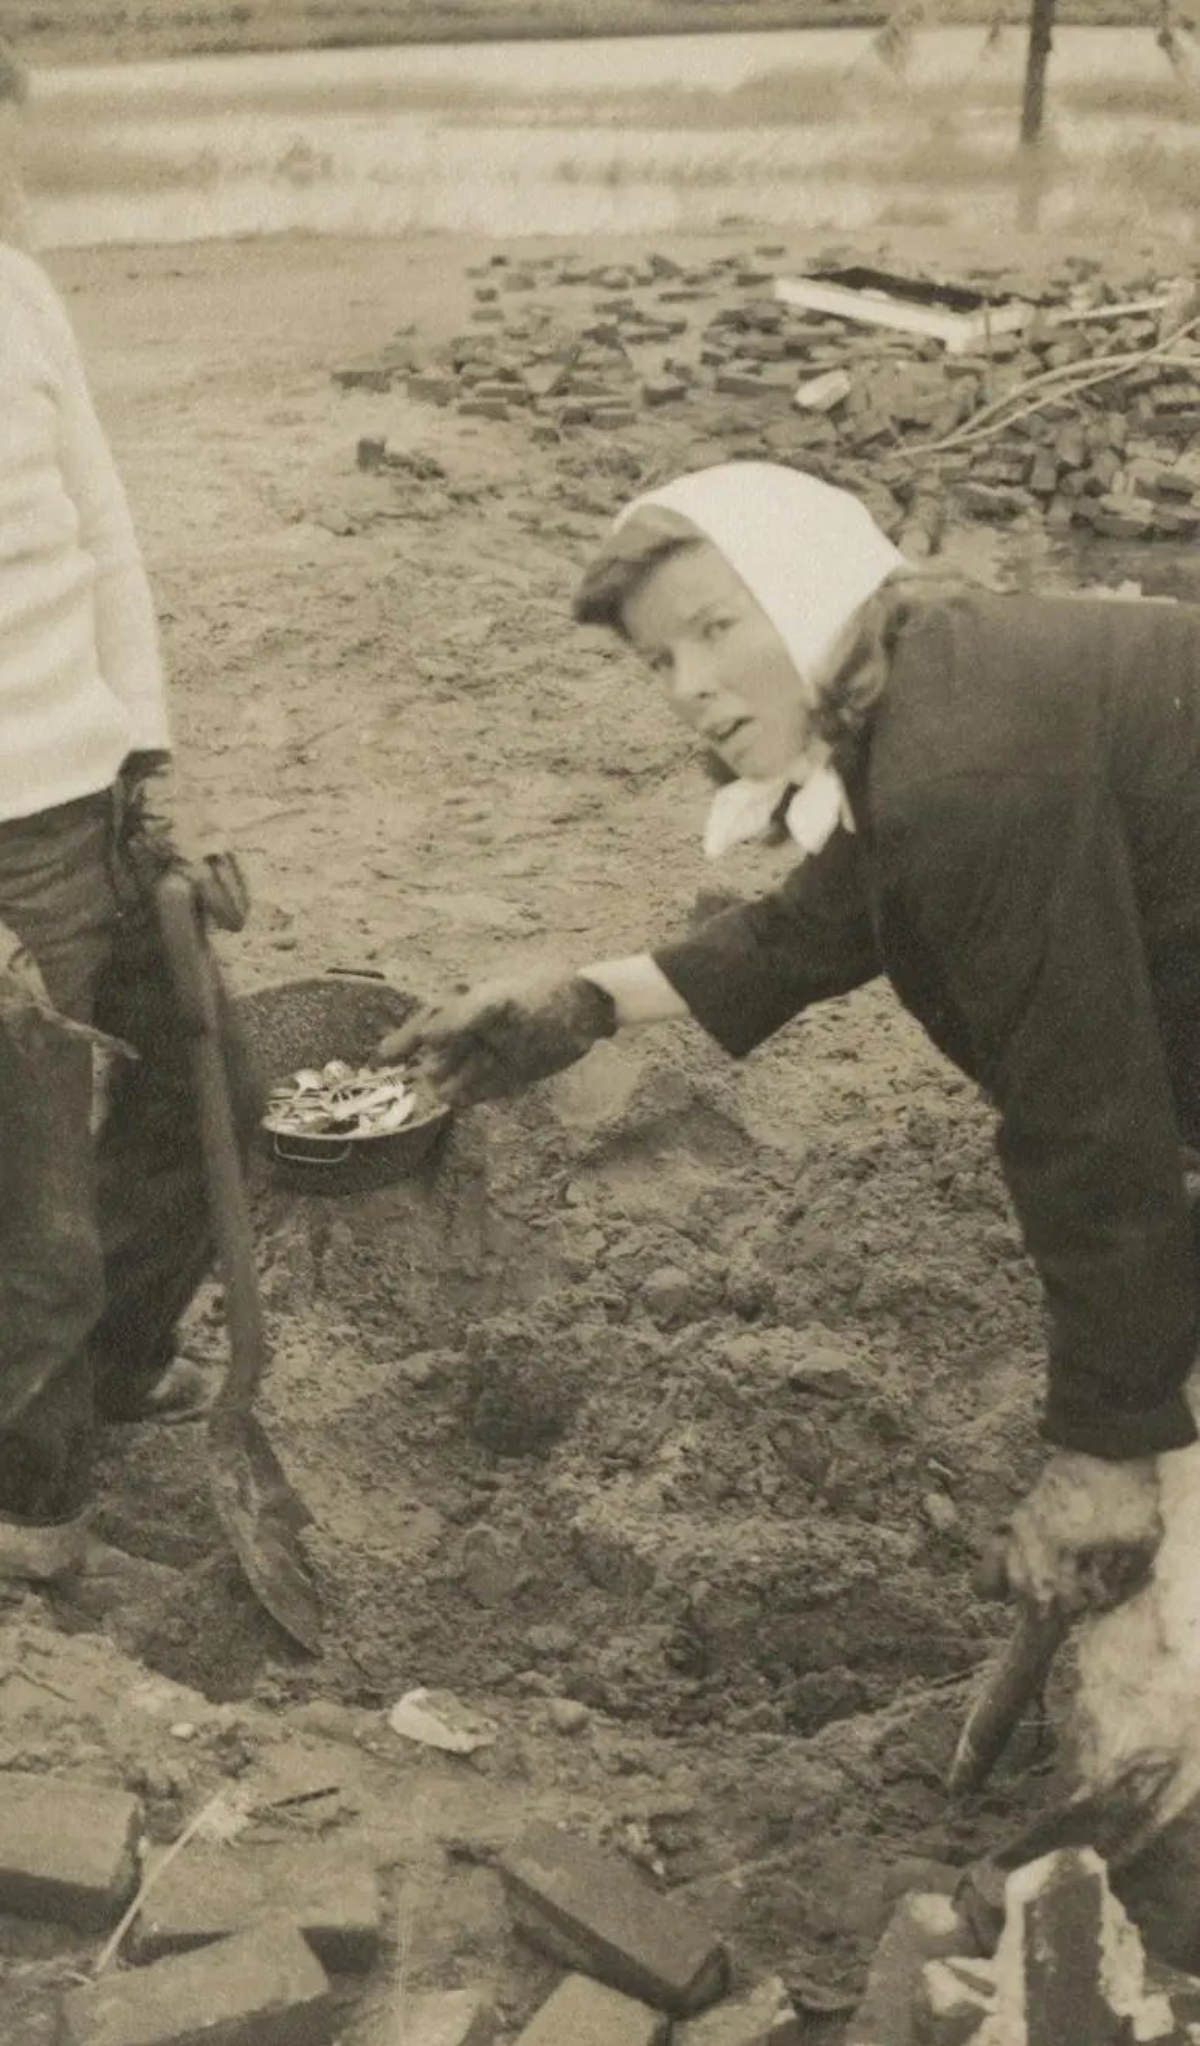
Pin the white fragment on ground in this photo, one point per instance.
(437, 1719)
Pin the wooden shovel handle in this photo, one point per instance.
(190, 962)
(1018, 1677)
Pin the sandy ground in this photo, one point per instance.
(682, 1391)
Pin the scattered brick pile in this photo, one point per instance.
(569, 349)
(232, 1947)
(244, 1947)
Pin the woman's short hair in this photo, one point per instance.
(632, 551)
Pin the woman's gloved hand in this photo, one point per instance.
(502, 1036)
(152, 841)
(1084, 1538)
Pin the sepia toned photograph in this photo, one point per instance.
(599, 1023)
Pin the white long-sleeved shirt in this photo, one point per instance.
(81, 681)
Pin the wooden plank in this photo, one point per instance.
(1065, 316)
(959, 332)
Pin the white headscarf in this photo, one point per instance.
(810, 555)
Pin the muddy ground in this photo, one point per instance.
(684, 1391)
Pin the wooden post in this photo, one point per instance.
(1041, 21)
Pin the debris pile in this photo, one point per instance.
(1081, 406)
(242, 1925)
(263, 1916)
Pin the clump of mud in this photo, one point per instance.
(656, 1381)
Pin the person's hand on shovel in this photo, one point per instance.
(496, 1039)
(1083, 1539)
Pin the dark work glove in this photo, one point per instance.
(503, 1036)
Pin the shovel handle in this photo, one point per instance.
(1016, 1679)
(190, 962)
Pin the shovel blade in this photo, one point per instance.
(263, 1518)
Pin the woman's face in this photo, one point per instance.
(728, 672)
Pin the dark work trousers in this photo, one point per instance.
(103, 1240)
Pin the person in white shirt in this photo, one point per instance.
(104, 1230)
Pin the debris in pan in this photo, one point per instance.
(954, 314)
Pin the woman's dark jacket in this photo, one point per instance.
(1025, 869)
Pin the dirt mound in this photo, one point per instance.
(621, 1386)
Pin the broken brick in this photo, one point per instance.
(1105, 468)
(209, 1894)
(66, 1849)
(953, 1999)
(1177, 482)
(587, 2014)
(502, 388)
(592, 1911)
(452, 2017)
(364, 376)
(1176, 522)
(914, 542)
(432, 390)
(264, 1988)
(923, 1927)
(1003, 467)
(992, 501)
(1070, 1970)
(1122, 518)
(821, 394)
(766, 313)
(814, 430)
(764, 347)
(663, 390)
(1070, 447)
(1145, 476)
(740, 381)
(764, 2017)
